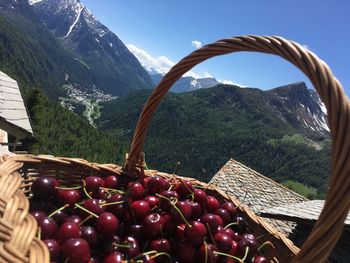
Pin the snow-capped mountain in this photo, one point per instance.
(94, 45)
(300, 106)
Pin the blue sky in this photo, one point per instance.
(165, 30)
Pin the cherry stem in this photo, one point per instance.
(267, 243)
(86, 210)
(39, 232)
(206, 251)
(228, 255)
(161, 254)
(123, 246)
(211, 235)
(112, 203)
(86, 219)
(58, 210)
(84, 189)
(68, 188)
(186, 186)
(231, 224)
(112, 190)
(173, 203)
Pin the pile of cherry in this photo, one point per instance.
(149, 220)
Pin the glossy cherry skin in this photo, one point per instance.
(133, 248)
(213, 222)
(136, 231)
(206, 254)
(107, 245)
(232, 234)
(185, 210)
(224, 214)
(247, 240)
(161, 245)
(48, 228)
(140, 209)
(59, 217)
(93, 205)
(185, 188)
(44, 187)
(73, 219)
(200, 197)
(231, 208)
(68, 196)
(54, 249)
(107, 224)
(196, 209)
(223, 242)
(114, 257)
(66, 231)
(241, 225)
(260, 259)
(153, 225)
(117, 209)
(180, 232)
(38, 215)
(157, 185)
(76, 250)
(93, 183)
(164, 202)
(111, 182)
(137, 191)
(89, 233)
(185, 252)
(212, 204)
(234, 248)
(152, 200)
(195, 233)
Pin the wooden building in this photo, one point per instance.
(14, 119)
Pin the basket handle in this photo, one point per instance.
(328, 228)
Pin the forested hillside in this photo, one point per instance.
(60, 132)
(203, 129)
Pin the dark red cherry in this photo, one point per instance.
(224, 214)
(196, 209)
(44, 187)
(161, 245)
(38, 215)
(234, 248)
(180, 232)
(211, 220)
(136, 231)
(185, 188)
(76, 250)
(152, 200)
(107, 224)
(59, 217)
(212, 204)
(140, 209)
(116, 209)
(185, 252)
(93, 183)
(109, 245)
(153, 225)
(137, 191)
(89, 233)
(114, 257)
(231, 208)
(54, 249)
(164, 202)
(130, 247)
(260, 259)
(195, 232)
(183, 210)
(157, 184)
(247, 241)
(66, 231)
(200, 197)
(111, 182)
(75, 219)
(68, 196)
(48, 228)
(206, 254)
(93, 205)
(223, 242)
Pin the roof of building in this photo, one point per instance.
(307, 212)
(256, 191)
(13, 114)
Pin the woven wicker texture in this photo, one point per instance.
(329, 226)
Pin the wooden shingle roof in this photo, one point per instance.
(304, 212)
(13, 114)
(256, 191)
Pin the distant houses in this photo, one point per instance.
(14, 119)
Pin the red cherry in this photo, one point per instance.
(195, 233)
(161, 245)
(180, 232)
(76, 250)
(153, 225)
(196, 209)
(136, 191)
(111, 182)
(38, 215)
(185, 252)
(140, 209)
(212, 220)
(136, 231)
(223, 242)
(224, 214)
(152, 200)
(93, 205)
(107, 224)
(200, 197)
(68, 196)
(234, 248)
(66, 231)
(157, 184)
(44, 187)
(184, 209)
(93, 183)
(115, 257)
(54, 249)
(185, 188)
(131, 248)
(117, 209)
(260, 259)
(212, 204)
(206, 254)
(164, 203)
(247, 241)
(48, 228)
(231, 208)
(89, 233)
(232, 234)
(75, 219)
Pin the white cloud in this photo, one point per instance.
(159, 65)
(196, 43)
(32, 2)
(230, 82)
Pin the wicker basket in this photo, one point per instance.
(18, 228)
